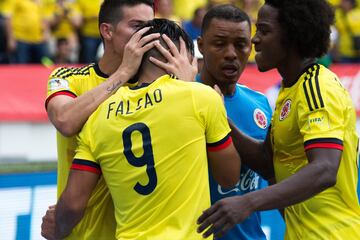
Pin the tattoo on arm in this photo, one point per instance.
(114, 87)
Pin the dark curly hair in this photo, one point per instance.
(306, 24)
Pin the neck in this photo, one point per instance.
(291, 70)
(109, 63)
(226, 88)
(150, 74)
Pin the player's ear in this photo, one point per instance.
(106, 31)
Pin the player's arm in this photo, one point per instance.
(312, 179)
(224, 163)
(256, 154)
(73, 201)
(68, 114)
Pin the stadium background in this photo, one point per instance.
(28, 146)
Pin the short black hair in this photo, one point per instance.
(226, 12)
(109, 9)
(171, 29)
(306, 24)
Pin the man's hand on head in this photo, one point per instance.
(218, 90)
(178, 62)
(135, 49)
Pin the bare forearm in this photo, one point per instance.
(65, 219)
(247, 147)
(253, 153)
(69, 118)
(307, 182)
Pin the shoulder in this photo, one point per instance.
(248, 93)
(199, 92)
(318, 85)
(203, 90)
(318, 79)
(244, 90)
(193, 86)
(70, 72)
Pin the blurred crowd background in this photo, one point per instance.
(66, 31)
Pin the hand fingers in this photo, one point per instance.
(209, 219)
(164, 52)
(148, 39)
(207, 213)
(52, 207)
(223, 230)
(149, 46)
(217, 89)
(194, 63)
(183, 50)
(215, 228)
(171, 45)
(159, 63)
(137, 35)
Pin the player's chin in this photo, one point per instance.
(230, 79)
(261, 63)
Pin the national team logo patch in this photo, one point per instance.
(285, 110)
(58, 83)
(260, 118)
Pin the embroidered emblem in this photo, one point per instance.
(260, 118)
(285, 110)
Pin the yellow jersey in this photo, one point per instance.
(99, 220)
(343, 23)
(185, 9)
(317, 112)
(89, 11)
(27, 18)
(150, 144)
(64, 29)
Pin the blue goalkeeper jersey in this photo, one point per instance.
(251, 113)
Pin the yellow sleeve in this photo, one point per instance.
(83, 151)
(211, 112)
(84, 159)
(61, 84)
(321, 118)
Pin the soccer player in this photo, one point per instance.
(75, 93)
(311, 147)
(152, 144)
(225, 44)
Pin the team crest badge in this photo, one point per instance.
(285, 110)
(260, 119)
